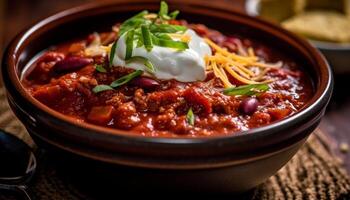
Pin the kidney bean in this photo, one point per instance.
(217, 37)
(71, 63)
(146, 83)
(51, 56)
(200, 29)
(249, 105)
(232, 39)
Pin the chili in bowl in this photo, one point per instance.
(161, 77)
(157, 91)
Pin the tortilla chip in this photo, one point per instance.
(321, 25)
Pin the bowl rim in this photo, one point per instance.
(316, 103)
(331, 46)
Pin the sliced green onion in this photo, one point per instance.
(138, 38)
(163, 10)
(101, 88)
(149, 66)
(247, 90)
(100, 68)
(133, 22)
(129, 40)
(163, 36)
(167, 28)
(146, 35)
(140, 31)
(111, 54)
(174, 14)
(140, 14)
(139, 43)
(130, 24)
(170, 43)
(125, 79)
(190, 117)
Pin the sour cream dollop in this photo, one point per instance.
(169, 63)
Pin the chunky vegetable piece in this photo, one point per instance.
(100, 114)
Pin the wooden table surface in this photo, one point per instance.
(17, 14)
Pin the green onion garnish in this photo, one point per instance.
(140, 14)
(163, 10)
(133, 22)
(129, 40)
(162, 36)
(101, 88)
(174, 14)
(170, 43)
(140, 30)
(121, 81)
(111, 54)
(247, 90)
(139, 43)
(149, 66)
(190, 117)
(145, 32)
(125, 79)
(166, 28)
(146, 35)
(100, 68)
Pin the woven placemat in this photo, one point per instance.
(313, 173)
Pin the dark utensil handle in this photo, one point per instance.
(17, 188)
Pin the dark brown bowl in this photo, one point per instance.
(220, 164)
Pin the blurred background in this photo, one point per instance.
(15, 15)
(325, 23)
(18, 14)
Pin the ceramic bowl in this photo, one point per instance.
(336, 54)
(233, 163)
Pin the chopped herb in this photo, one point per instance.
(170, 43)
(167, 28)
(146, 35)
(121, 81)
(190, 117)
(129, 43)
(101, 88)
(100, 68)
(247, 90)
(139, 43)
(145, 61)
(163, 10)
(174, 14)
(162, 36)
(140, 14)
(133, 22)
(141, 31)
(125, 79)
(111, 54)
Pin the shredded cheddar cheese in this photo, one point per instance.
(245, 67)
